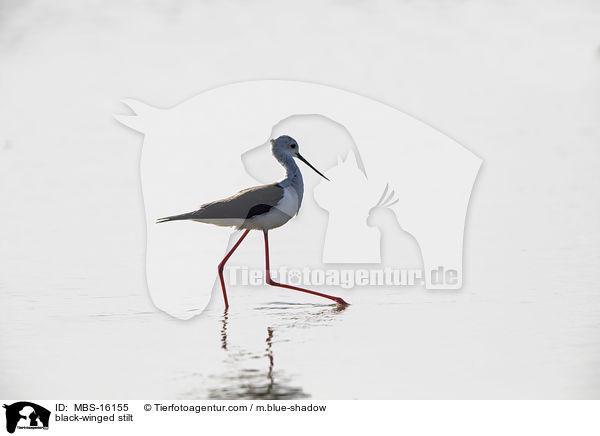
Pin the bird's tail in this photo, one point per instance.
(183, 216)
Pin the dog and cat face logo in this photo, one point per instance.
(26, 415)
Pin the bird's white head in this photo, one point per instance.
(286, 147)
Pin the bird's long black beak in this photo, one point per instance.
(299, 156)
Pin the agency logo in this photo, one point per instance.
(26, 415)
(396, 201)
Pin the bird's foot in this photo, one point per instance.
(341, 301)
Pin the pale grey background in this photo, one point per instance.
(516, 82)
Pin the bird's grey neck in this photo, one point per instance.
(293, 176)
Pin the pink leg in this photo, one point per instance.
(222, 265)
(338, 300)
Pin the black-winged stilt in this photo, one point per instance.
(263, 208)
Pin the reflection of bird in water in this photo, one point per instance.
(271, 360)
(255, 384)
(224, 330)
(263, 208)
(252, 383)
